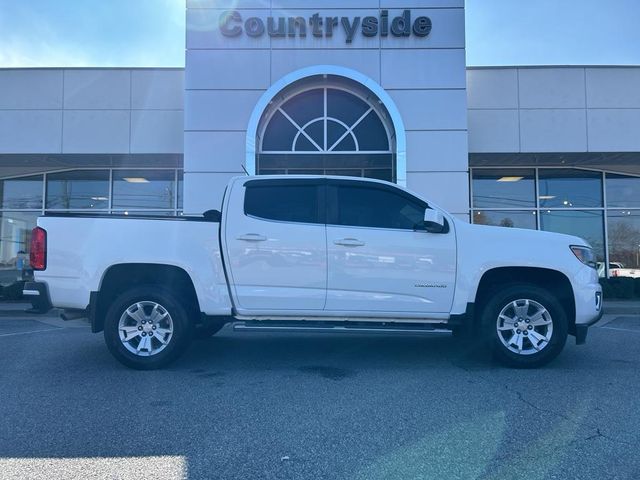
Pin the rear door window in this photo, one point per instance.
(285, 201)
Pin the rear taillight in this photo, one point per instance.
(38, 252)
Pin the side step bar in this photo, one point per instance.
(337, 327)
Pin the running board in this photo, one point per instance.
(265, 326)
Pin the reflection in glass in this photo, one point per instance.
(514, 219)
(131, 212)
(78, 189)
(371, 134)
(285, 203)
(15, 235)
(345, 106)
(374, 207)
(143, 188)
(624, 237)
(22, 192)
(569, 188)
(512, 188)
(587, 224)
(623, 191)
(279, 134)
(305, 106)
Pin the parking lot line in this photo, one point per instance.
(31, 331)
(620, 329)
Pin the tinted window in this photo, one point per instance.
(508, 188)
(286, 203)
(587, 224)
(623, 191)
(78, 189)
(381, 208)
(149, 189)
(624, 237)
(23, 192)
(15, 235)
(502, 218)
(567, 188)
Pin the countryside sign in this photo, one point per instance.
(232, 24)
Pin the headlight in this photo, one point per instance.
(584, 254)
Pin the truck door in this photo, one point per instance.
(380, 260)
(276, 248)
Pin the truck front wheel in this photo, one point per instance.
(526, 325)
(147, 328)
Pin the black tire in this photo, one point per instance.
(177, 342)
(208, 328)
(557, 317)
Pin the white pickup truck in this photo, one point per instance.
(310, 253)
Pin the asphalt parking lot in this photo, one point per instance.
(293, 406)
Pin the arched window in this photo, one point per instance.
(327, 126)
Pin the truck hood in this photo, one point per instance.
(486, 247)
(518, 236)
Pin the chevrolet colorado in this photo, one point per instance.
(311, 253)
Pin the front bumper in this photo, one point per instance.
(38, 295)
(583, 328)
(588, 302)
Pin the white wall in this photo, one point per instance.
(91, 111)
(554, 109)
(425, 77)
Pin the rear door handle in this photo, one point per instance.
(252, 237)
(349, 242)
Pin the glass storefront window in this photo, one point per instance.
(513, 219)
(569, 188)
(180, 189)
(571, 201)
(587, 224)
(153, 189)
(78, 189)
(15, 235)
(623, 229)
(623, 191)
(509, 188)
(22, 192)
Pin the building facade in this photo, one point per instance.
(379, 89)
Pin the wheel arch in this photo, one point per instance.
(551, 280)
(121, 277)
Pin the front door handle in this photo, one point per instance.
(252, 237)
(349, 242)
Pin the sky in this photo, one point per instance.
(150, 33)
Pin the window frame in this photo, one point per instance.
(375, 107)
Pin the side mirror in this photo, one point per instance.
(212, 215)
(434, 221)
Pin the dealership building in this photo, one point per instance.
(379, 89)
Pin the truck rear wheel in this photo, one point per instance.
(147, 328)
(525, 325)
